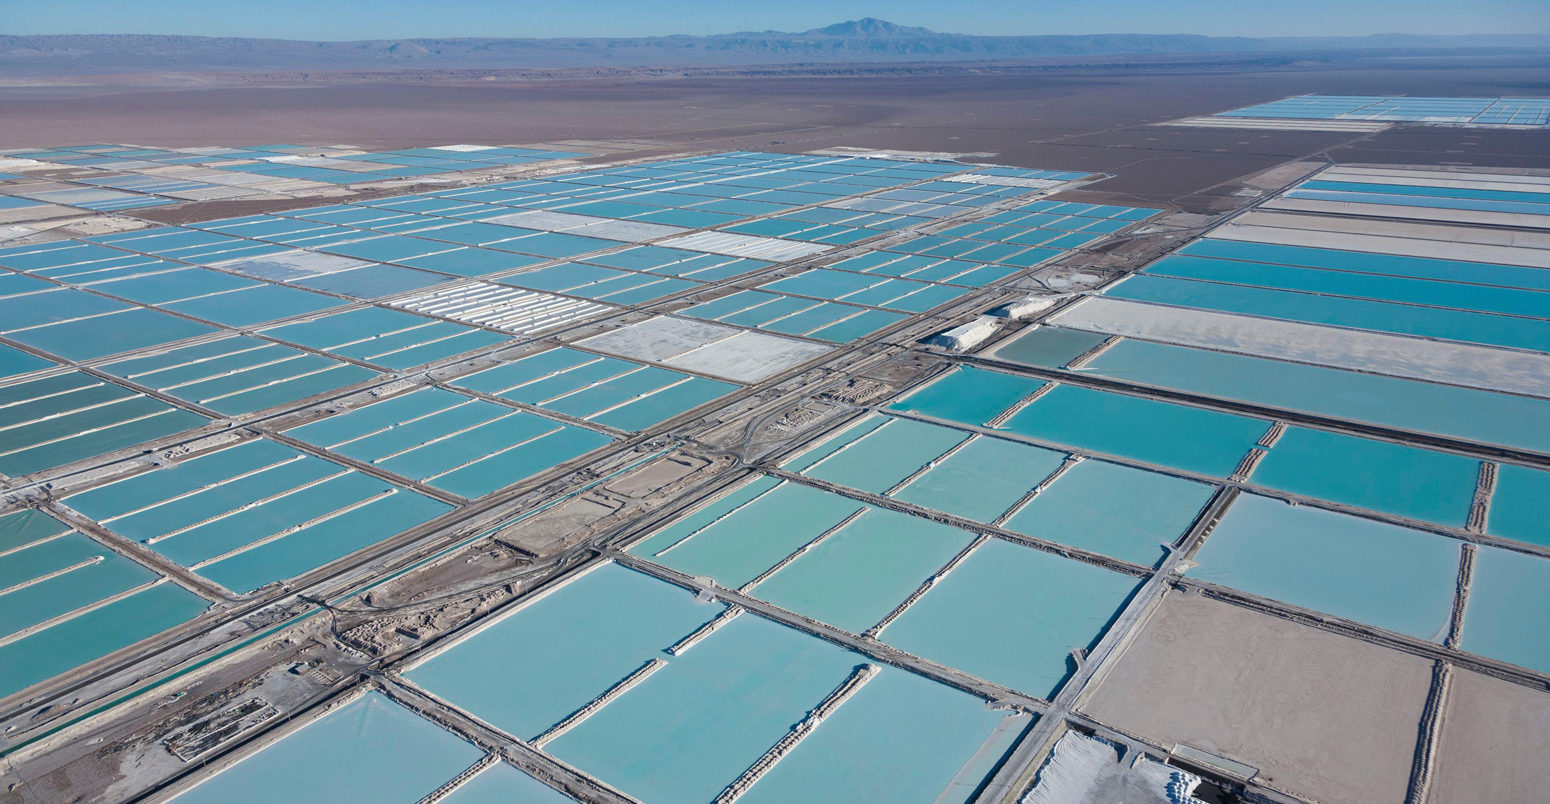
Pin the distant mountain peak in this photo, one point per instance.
(870, 27)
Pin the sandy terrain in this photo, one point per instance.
(1093, 121)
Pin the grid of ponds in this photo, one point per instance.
(606, 390)
(176, 175)
(371, 747)
(1505, 197)
(859, 567)
(1353, 545)
(66, 599)
(1479, 111)
(117, 343)
(62, 418)
(712, 701)
(1368, 528)
(450, 441)
(255, 513)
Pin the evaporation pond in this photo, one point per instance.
(686, 732)
(370, 749)
(983, 479)
(1372, 572)
(1377, 475)
(1012, 615)
(564, 649)
(900, 738)
(859, 573)
(742, 544)
(880, 459)
(1520, 506)
(968, 395)
(1115, 510)
(1050, 347)
(1508, 608)
(1164, 433)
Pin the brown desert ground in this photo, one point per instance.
(1082, 120)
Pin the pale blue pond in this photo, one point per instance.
(1520, 507)
(14, 361)
(81, 583)
(1050, 347)
(883, 457)
(901, 738)
(983, 479)
(1389, 264)
(1508, 609)
(1378, 475)
(834, 443)
(1012, 615)
(676, 532)
(1115, 510)
(562, 650)
(371, 749)
(1403, 319)
(736, 549)
(1481, 298)
(859, 573)
(969, 395)
(1180, 436)
(1372, 572)
(1513, 276)
(1427, 407)
(694, 726)
(76, 641)
(297, 511)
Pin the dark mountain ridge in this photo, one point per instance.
(857, 41)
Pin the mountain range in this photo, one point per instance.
(858, 41)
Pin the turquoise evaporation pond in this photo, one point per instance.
(709, 714)
(1395, 479)
(1520, 506)
(54, 420)
(1119, 511)
(1404, 319)
(1484, 416)
(899, 738)
(880, 459)
(614, 392)
(735, 545)
(503, 784)
(1050, 347)
(1372, 572)
(370, 749)
(38, 545)
(454, 442)
(1480, 298)
(1012, 615)
(862, 571)
(14, 361)
(246, 502)
(969, 395)
(564, 649)
(1194, 439)
(979, 481)
(1508, 608)
(713, 711)
(983, 479)
(1518, 276)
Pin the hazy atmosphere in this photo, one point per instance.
(405, 19)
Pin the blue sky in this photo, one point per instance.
(396, 19)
